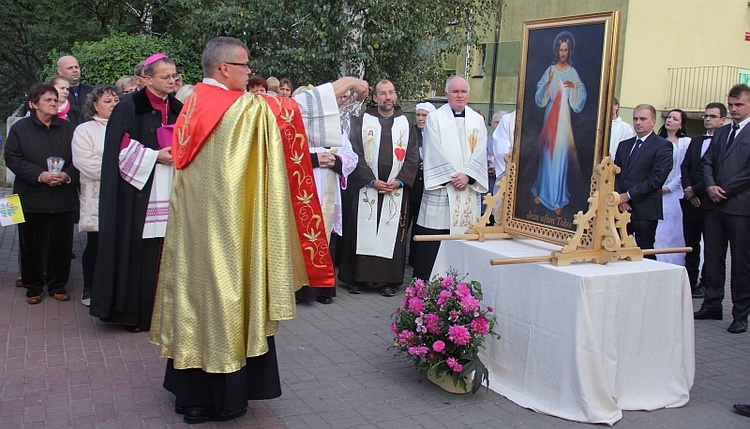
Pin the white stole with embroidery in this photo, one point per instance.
(373, 238)
(453, 145)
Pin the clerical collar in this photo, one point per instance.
(213, 82)
(459, 115)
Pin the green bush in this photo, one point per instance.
(105, 61)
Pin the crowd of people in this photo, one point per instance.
(188, 193)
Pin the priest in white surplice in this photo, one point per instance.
(455, 172)
(375, 236)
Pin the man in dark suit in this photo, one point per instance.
(68, 67)
(726, 180)
(645, 162)
(693, 215)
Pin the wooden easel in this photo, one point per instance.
(600, 236)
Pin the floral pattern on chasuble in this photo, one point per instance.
(305, 202)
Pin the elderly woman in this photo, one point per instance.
(38, 153)
(125, 85)
(88, 146)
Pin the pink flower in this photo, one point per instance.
(443, 297)
(453, 315)
(469, 304)
(405, 336)
(419, 283)
(432, 321)
(489, 309)
(394, 328)
(420, 351)
(462, 290)
(481, 325)
(446, 282)
(459, 335)
(438, 346)
(454, 365)
(409, 291)
(416, 306)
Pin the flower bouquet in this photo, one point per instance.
(441, 328)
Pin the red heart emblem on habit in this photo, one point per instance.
(400, 153)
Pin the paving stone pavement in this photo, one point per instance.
(60, 368)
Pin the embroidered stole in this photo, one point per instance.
(459, 145)
(379, 238)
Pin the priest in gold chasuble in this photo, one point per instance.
(245, 232)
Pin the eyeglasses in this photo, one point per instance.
(384, 93)
(710, 116)
(244, 65)
(169, 76)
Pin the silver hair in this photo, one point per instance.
(218, 50)
(455, 76)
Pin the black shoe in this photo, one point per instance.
(133, 329)
(194, 415)
(738, 326)
(387, 291)
(178, 409)
(324, 299)
(743, 409)
(699, 291)
(355, 289)
(708, 314)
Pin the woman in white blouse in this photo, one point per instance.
(669, 229)
(88, 146)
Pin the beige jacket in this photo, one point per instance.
(88, 146)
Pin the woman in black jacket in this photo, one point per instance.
(38, 152)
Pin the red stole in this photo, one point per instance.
(312, 232)
(198, 120)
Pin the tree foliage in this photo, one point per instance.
(310, 41)
(401, 40)
(106, 60)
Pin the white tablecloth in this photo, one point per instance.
(582, 342)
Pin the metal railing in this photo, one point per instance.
(691, 88)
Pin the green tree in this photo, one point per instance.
(106, 60)
(314, 41)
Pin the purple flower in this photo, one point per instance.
(481, 326)
(405, 336)
(459, 335)
(416, 306)
(462, 290)
(446, 282)
(454, 365)
(420, 351)
(443, 297)
(489, 309)
(432, 321)
(438, 346)
(469, 304)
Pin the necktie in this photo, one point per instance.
(638, 144)
(735, 127)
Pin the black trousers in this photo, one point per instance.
(721, 229)
(45, 245)
(88, 260)
(645, 234)
(426, 252)
(692, 230)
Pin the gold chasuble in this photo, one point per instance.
(232, 256)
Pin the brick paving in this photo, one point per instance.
(60, 368)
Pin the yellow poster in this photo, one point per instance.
(10, 210)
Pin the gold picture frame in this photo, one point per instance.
(565, 90)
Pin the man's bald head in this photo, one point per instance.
(68, 66)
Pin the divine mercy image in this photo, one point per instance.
(561, 93)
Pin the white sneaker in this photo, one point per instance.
(85, 301)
